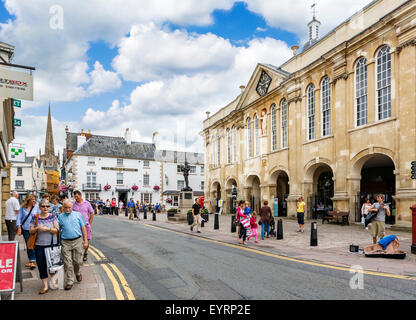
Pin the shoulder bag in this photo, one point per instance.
(32, 238)
(53, 255)
(24, 220)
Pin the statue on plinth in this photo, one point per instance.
(185, 169)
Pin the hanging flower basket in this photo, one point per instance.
(169, 200)
(107, 187)
(134, 188)
(156, 188)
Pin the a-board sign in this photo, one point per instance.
(8, 264)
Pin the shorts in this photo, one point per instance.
(301, 218)
(378, 229)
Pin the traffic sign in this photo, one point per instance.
(17, 122)
(17, 103)
(413, 168)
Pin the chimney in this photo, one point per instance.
(242, 88)
(295, 50)
(208, 113)
(127, 136)
(66, 129)
(82, 131)
(155, 140)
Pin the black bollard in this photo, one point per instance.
(154, 215)
(216, 222)
(233, 228)
(190, 218)
(145, 214)
(202, 223)
(279, 229)
(314, 234)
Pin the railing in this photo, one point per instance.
(91, 187)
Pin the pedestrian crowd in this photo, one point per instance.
(57, 233)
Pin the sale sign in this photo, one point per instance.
(8, 264)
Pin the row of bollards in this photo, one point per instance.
(279, 233)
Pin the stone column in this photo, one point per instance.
(354, 186)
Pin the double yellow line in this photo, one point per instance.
(99, 256)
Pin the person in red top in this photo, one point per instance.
(113, 207)
(253, 225)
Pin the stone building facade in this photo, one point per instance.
(335, 123)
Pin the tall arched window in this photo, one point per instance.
(249, 146)
(218, 150)
(361, 92)
(274, 127)
(234, 143)
(384, 83)
(213, 152)
(256, 135)
(283, 110)
(311, 112)
(326, 107)
(228, 146)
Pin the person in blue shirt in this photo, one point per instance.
(247, 209)
(74, 242)
(131, 207)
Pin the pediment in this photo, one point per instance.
(264, 79)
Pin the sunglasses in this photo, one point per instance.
(44, 206)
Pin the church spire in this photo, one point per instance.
(49, 147)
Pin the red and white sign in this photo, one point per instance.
(8, 264)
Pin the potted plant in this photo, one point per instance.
(171, 212)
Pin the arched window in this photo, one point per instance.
(213, 152)
(234, 144)
(249, 146)
(361, 92)
(228, 146)
(273, 125)
(311, 112)
(283, 110)
(384, 83)
(326, 107)
(256, 135)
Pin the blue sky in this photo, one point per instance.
(149, 65)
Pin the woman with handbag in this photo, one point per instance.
(24, 216)
(364, 210)
(43, 231)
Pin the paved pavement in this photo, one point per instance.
(333, 243)
(90, 288)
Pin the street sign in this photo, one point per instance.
(413, 168)
(17, 103)
(8, 264)
(17, 152)
(17, 122)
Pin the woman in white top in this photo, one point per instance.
(120, 207)
(365, 207)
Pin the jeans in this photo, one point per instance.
(243, 233)
(30, 253)
(262, 229)
(41, 261)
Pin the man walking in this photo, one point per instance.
(84, 207)
(72, 227)
(12, 208)
(265, 218)
(131, 206)
(378, 225)
(197, 216)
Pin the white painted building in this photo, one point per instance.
(28, 176)
(93, 162)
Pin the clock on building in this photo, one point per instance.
(263, 84)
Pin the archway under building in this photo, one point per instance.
(377, 177)
(232, 194)
(254, 193)
(281, 179)
(320, 199)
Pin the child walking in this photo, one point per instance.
(253, 225)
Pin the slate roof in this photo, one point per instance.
(116, 147)
(179, 157)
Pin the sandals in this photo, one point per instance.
(43, 291)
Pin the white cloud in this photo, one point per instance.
(103, 80)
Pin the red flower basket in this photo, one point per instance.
(156, 188)
(134, 188)
(107, 187)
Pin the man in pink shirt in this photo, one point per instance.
(85, 208)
